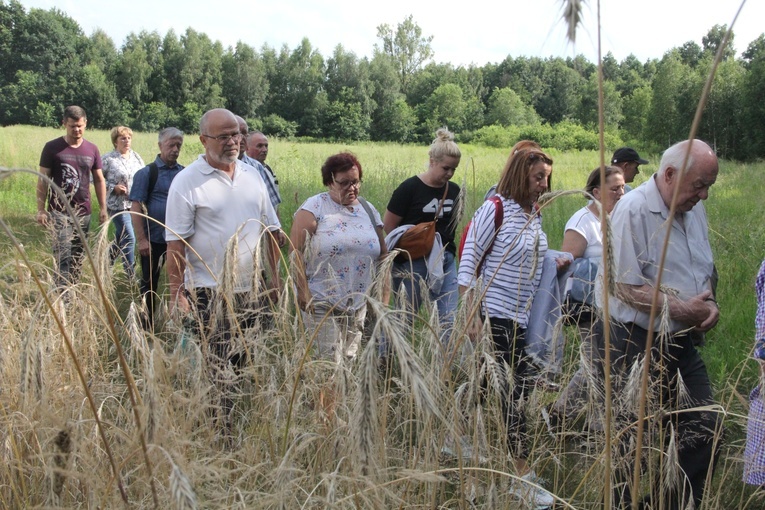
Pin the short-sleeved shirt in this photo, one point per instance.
(119, 170)
(71, 169)
(639, 227)
(341, 254)
(156, 203)
(416, 202)
(207, 208)
(585, 223)
(272, 185)
(513, 269)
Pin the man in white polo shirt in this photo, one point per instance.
(215, 199)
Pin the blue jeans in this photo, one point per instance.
(410, 275)
(124, 241)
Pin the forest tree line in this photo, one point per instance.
(400, 95)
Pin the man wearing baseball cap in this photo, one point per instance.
(628, 160)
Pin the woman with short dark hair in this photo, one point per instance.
(336, 240)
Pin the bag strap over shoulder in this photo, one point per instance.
(441, 203)
(499, 217)
(153, 176)
(368, 209)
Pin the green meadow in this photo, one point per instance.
(287, 456)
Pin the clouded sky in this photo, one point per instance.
(477, 31)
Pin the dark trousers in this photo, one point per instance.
(510, 347)
(678, 381)
(216, 322)
(151, 267)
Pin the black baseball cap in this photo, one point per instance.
(627, 154)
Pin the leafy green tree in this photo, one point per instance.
(47, 44)
(11, 18)
(753, 92)
(245, 85)
(99, 97)
(445, 107)
(101, 51)
(611, 69)
(561, 94)
(296, 79)
(523, 75)
(344, 118)
(690, 53)
(396, 122)
(348, 83)
(273, 125)
(199, 77)
(407, 47)
(389, 103)
(630, 76)
(588, 106)
(20, 98)
(668, 120)
(636, 107)
(721, 121)
(189, 117)
(155, 116)
(44, 115)
(507, 109)
(714, 39)
(134, 68)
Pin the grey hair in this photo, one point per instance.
(255, 132)
(443, 145)
(170, 132)
(675, 155)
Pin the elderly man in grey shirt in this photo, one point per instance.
(686, 309)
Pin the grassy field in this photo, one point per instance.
(381, 450)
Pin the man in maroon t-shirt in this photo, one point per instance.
(69, 161)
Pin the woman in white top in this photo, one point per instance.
(119, 166)
(336, 240)
(583, 238)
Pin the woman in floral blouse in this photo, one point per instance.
(336, 240)
(119, 167)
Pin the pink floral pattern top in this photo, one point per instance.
(341, 254)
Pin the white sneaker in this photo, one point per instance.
(528, 489)
(449, 449)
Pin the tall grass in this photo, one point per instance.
(382, 450)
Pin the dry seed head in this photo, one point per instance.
(182, 492)
(364, 418)
(673, 474)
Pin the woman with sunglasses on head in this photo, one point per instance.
(504, 266)
(336, 239)
(423, 198)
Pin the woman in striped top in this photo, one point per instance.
(508, 279)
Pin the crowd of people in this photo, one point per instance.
(216, 222)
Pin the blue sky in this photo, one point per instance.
(478, 31)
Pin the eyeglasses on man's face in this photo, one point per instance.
(225, 139)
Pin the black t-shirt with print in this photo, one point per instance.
(417, 202)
